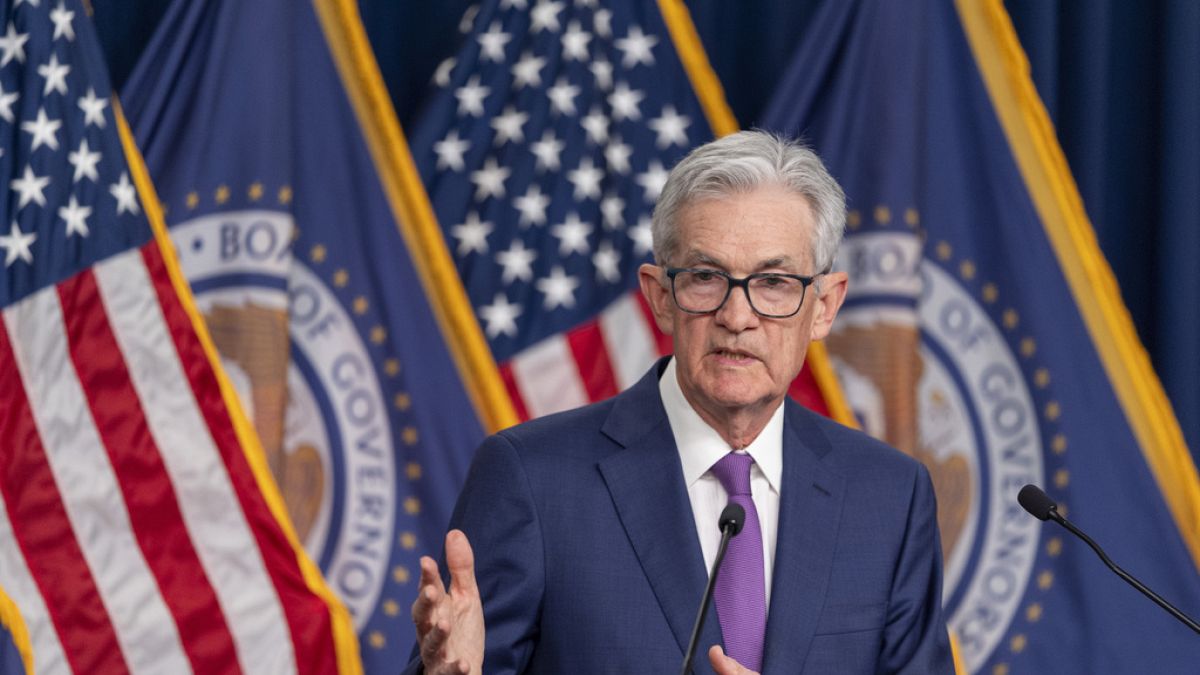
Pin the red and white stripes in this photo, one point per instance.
(588, 363)
(133, 536)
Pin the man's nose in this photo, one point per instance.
(736, 314)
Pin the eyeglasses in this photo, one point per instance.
(771, 294)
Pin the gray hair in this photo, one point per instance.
(743, 162)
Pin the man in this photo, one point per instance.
(592, 531)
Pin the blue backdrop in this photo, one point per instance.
(1119, 79)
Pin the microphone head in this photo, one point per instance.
(734, 516)
(1037, 503)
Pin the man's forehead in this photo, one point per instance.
(694, 255)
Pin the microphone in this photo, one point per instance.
(731, 522)
(1040, 506)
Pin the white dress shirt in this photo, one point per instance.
(700, 446)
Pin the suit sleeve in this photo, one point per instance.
(497, 513)
(915, 637)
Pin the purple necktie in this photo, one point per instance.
(740, 594)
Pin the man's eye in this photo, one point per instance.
(705, 275)
(773, 281)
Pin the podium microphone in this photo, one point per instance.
(1040, 506)
(731, 522)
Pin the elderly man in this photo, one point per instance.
(592, 532)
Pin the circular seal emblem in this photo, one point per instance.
(307, 380)
(927, 369)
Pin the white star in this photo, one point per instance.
(613, 208)
(55, 74)
(93, 108)
(13, 46)
(606, 259)
(125, 194)
(500, 317)
(602, 71)
(528, 71)
(62, 22)
(84, 162)
(636, 48)
(472, 235)
(643, 240)
(44, 131)
(596, 126)
(489, 181)
(491, 43)
(546, 151)
(603, 23)
(616, 155)
(441, 76)
(653, 180)
(624, 102)
(558, 288)
(468, 19)
(585, 3)
(16, 245)
(509, 125)
(512, 4)
(671, 128)
(30, 188)
(575, 43)
(6, 103)
(470, 97)
(544, 16)
(450, 151)
(532, 206)
(572, 235)
(562, 96)
(517, 262)
(75, 216)
(586, 179)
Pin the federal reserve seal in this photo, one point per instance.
(926, 367)
(310, 384)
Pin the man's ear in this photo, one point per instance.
(651, 278)
(829, 301)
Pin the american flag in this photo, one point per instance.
(543, 151)
(138, 530)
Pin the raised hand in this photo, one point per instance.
(725, 665)
(449, 624)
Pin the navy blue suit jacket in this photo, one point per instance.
(588, 561)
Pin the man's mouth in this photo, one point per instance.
(734, 355)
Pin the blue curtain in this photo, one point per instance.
(1120, 80)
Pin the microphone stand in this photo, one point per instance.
(727, 531)
(1187, 621)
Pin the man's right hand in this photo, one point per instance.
(450, 624)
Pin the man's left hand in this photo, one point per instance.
(725, 665)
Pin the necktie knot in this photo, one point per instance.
(733, 470)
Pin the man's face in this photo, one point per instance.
(732, 359)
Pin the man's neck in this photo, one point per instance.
(738, 427)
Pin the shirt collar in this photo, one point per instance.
(700, 446)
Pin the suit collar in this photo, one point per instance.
(645, 481)
(810, 514)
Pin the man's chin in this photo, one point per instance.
(737, 397)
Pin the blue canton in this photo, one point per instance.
(544, 150)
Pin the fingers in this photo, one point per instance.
(725, 665)
(429, 593)
(460, 560)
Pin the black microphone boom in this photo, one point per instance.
(731, 522)
(1040, 506)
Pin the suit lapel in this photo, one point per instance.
(809, 515)
(645, 481)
